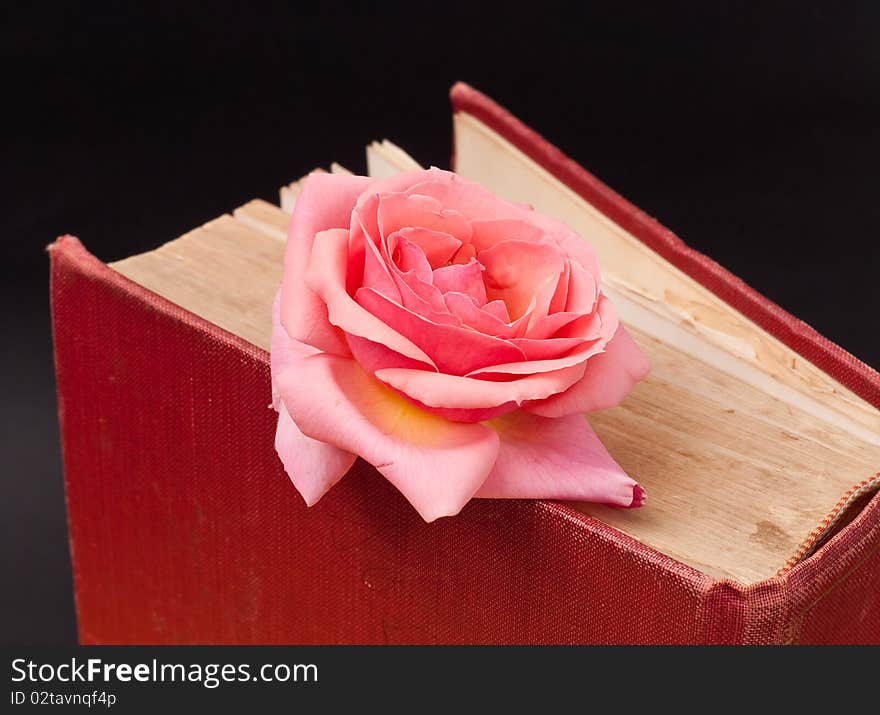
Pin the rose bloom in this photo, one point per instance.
(451, 339)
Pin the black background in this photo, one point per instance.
(750, 129)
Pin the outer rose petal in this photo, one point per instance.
(312, 466)
(326, 277)
(283, 350)
(438, 465)
(541, 458)
(326, 202)
(608, 378)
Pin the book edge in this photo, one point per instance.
(70, 249)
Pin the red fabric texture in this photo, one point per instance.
(800, 337)
(185, 529)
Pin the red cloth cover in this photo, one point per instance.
(184, 527)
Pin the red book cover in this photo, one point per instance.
(184, 527)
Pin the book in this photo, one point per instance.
(757, 440)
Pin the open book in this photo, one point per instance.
(751, 455)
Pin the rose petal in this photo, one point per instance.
(576, 247)
(326, 201)
(472, 200)
(583, 291)
(467, 279)
(465, 254)
(607, 379)
(497, 309)
(491, 319)
(326, 277)
(464, 307)
(374, 356)
(362, 230)
(517, 270)
(480, 414)
(477, 203)
(438, 465)
(600, 324)
(411, 272)
(561, 458)
(548, 349)
(589, 345)
(423, 299)
(284, 350)
(438, 247)
(452, 349)
(409, 257)
(543, 296)
(312, 466)
(398, 211)
(378, 269)
(560, 296)
(579, 355)
(547, 326)
(489, 232)
(436, 390)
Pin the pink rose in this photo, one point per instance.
(451, 339)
